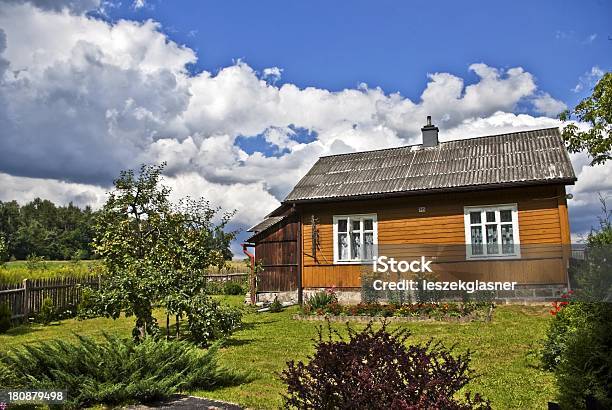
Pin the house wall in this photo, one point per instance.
(543, 229)
(277, 251)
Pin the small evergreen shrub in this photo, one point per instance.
(321, 300)
(233, 288)
(276, 306)
(376, 370)
(46, 315)
(113, 370)
(5, 317)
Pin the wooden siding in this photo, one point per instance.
(543, 228)
(277, 249)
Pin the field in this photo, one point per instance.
(17, 271)
(507, 374)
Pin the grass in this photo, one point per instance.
(17, 271)
(506, 373)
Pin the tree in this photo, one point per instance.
(155, 251)
(42, 228)
(596, 110)
(3, 250)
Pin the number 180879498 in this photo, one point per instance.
(32, 396)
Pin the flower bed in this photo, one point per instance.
(444, 311)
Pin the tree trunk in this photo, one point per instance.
(167, 326)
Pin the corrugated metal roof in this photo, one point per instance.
(537, 156)
(266, 223)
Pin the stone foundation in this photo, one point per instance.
(522, 294)
(526, 294)
(289, 296)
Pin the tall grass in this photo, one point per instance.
(16, 272)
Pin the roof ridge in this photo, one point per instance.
(441, 142)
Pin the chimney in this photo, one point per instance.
(430, 134)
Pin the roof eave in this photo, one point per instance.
(557, 181)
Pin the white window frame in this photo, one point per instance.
(488, 208)
(349, 219)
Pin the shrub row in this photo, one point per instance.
(113, 370)
(326, 303)
(226, 288)
(423, 310)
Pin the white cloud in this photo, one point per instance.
(138, 4)
(97, 97)
(23, 189)
(70, 6)
(273, 74)
(588, 79)
(547, 105)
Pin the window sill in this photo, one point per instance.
(364, 262)
(493, 257)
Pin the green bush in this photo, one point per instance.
(208, 320)
(34, 263)
(113, 370)
(46, 315)
(556, 337)
(89, 306)
(276, 306)
(5, 317)
(579, 345)
(233, 288)
(321, 300)
(579, 339)
(214, 288)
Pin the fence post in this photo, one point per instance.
(26, 299)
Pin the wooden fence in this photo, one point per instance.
(240, 277)
(25, 299)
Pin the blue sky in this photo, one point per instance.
(391, 44)
(91, 87)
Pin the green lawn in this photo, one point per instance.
(507, 376)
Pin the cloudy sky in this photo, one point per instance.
(241, 98)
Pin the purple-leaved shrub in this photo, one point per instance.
(376, 369)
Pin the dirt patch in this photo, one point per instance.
(188, 402)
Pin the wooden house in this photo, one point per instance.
(490, 208)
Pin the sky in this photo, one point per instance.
(240, 98)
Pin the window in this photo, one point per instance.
(355, 238)
(491, 232)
